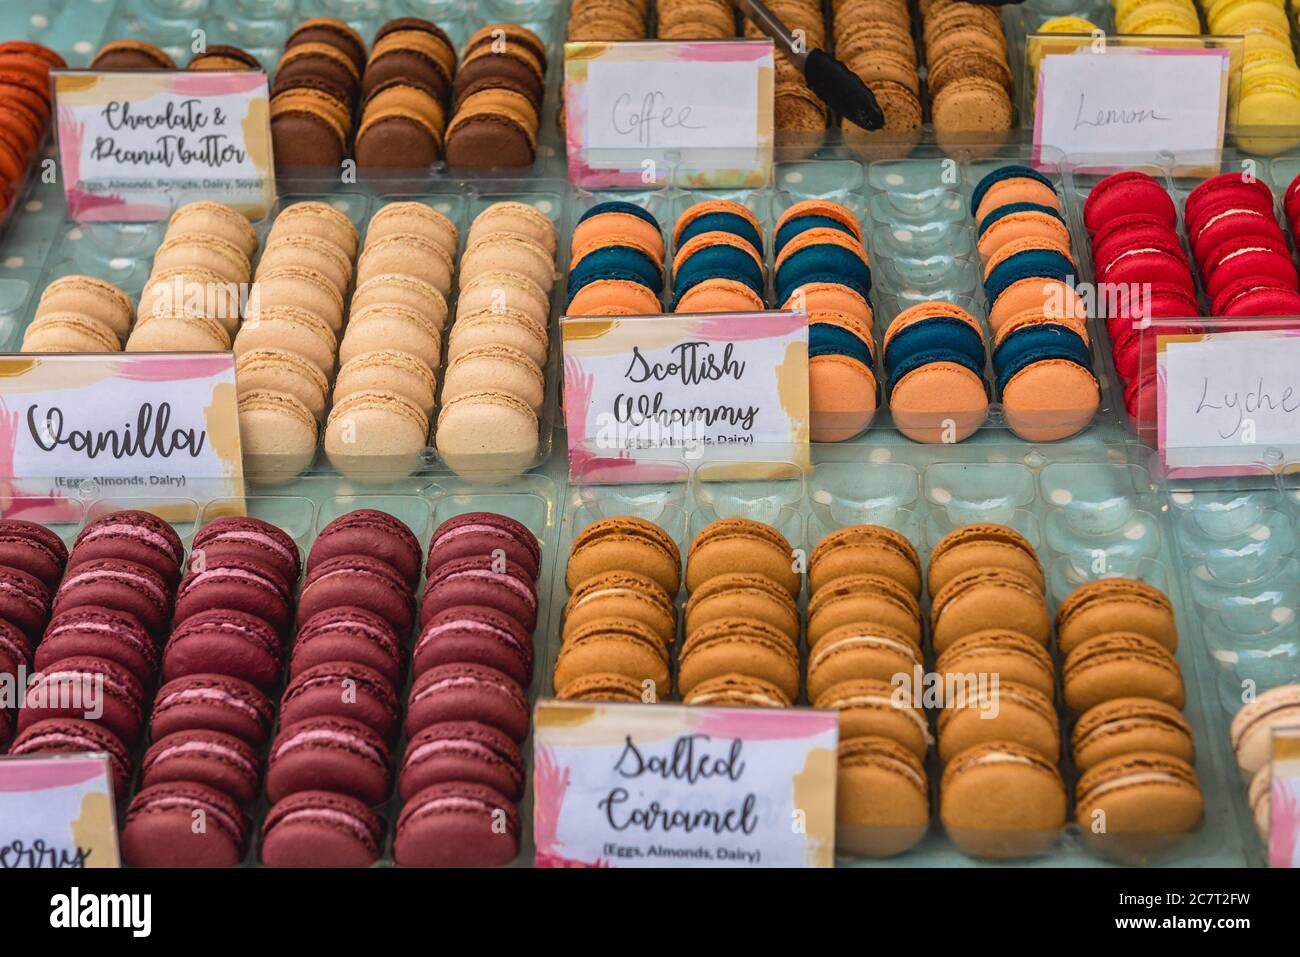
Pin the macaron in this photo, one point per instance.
(626, 543)
(1126, 725)
(1115, 604)
(359, 581)
(331, 32)
(131, 535)
(285, 371)
(1045, 379)
(1002, 800)
(620, 594)
(278, 434)
(492, 328)
(402, 127)
(310, 128)
(348, 634)
(495, 128)
(467, 692)
(77, 632)
(452, 751)
(475, 634)
(371, 532)
(1144, 794)
(821, 254)
(316, 218)
(615, 646)
(1125, 193)
(1009, 185)
(500, 367)
(493, 252)
(226, 642)
(477, 534)
(321, 829)
(814, 214)
(34, 548)
(376, 436)
(936, 390)
(159, 829)
(742, 594)
(736, 691)
(211, 702)
(1242, 256)
(222, 57)
(1005, 711)
(505, 289)
(865, 549)
(613, 261)
(872, 707)
(740, 645)
(882, 797)
(412, 49)
(617, 219)
(609, 687)
(718, 215)
(1252, 727)
(717, 255)
(220, 761)
(995, 651)
(744, 545)
(131, 55)
(1014, 222)
(978, 545)
(988, 597)
(457, 824)
(329, 754)
(864, 651)
(342, 689)
(80, 686)
(842, 387)
(524, 220)
(235, 583)
(413, 217)
(481, 580)
(69, 332)
(91, 297)
(863, 599)
(488, 435)
(76, 736)
(1120, 664)
(245, 537)
(105, 583)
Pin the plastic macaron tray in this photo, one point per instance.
(935, 220)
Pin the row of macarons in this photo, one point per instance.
(25, 110)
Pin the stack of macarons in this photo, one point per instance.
(718, 262)
(695, 19)
(1142, 269)
(314, 97)
(497, 99)
(799, 114)
(741, 642)
(864, 628)
(79, 314)
(934, 353)
(1132, 746)
(463, 771)
(1001, 794)
(1264, 26)
(132, 55)
(1161, 18)
(1251, 735)
(499, 346)
(822, 269)
(620, 622)
(378, 425)
(607, 20)
(26, 107)
(222, 57)
(616, 265)
(1241, 255)
(191, 301)
(873, 38)
(285, 351)
(113, 604)
(31, 563)
(967, 75)
(406, 90)
(340, 713)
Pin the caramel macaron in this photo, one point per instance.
(624, 647)
(983, 598)
(863, 599)
(872, 707)
(743, 594)
(743, 646)
(1115, 604)
(865, 549)
(626, 543)
(980, 545)
(741, 545)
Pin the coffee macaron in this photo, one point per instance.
(497, 99)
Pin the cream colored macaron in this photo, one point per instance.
(376, 436)
(278, 435)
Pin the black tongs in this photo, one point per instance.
(839, 87)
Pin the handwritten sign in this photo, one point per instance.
(135, 145)
(1133, 103)
(1229, 401)
(136, 424)
(1284, 800)
(644, 390)
(617, 785)
(57, 812)
(655, 112)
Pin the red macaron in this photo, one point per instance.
(321, 829)
(104, 632)
(211, 702)
(247, 539)
(462, 751)
(1150, 259)
(89, 689)
(1219, 222)
(76, 736)
(467, 692)
(24, 601)
(360, 581)
(1122, 194)
(34, 549)
(348, 633)
(479, 534)
(329, 754)
(1257, 296)
(458, 824)
(1236, 189)
(160, 831)
(343, 689)
(374, 534)
(125, 586)
(221, 761)
(1140, 304)
(15, 649)
(475, 634)
(134, 536)
(1258, 257)
(33, 49)
(235, 584)
(222, 641)
(481, 581)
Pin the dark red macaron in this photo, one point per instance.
(1237, 189)
(34, 549)
(329, 754)
(348, 634)
(475, 634)
(212, 702)
(1121, 194)
(104, 633)
(1259, 257)
(75, 736)
(15, 649)
(1130, 221)
(1255, 296)
(24, 601)
(134, 536)
(221, 761)
(485, 534)
(467, 692)
(321, 829)
(123, 585)
(360, 581)
(248, 539)
(160, 831)
(87, 688)
(343, 689)
(238, 584)
(483, 582)
(224, 642)
(1119, 241)
(462, 751)
(457, 825)
(374, 534)
(1135, 349)
(1151, 262)
(1219, 222)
